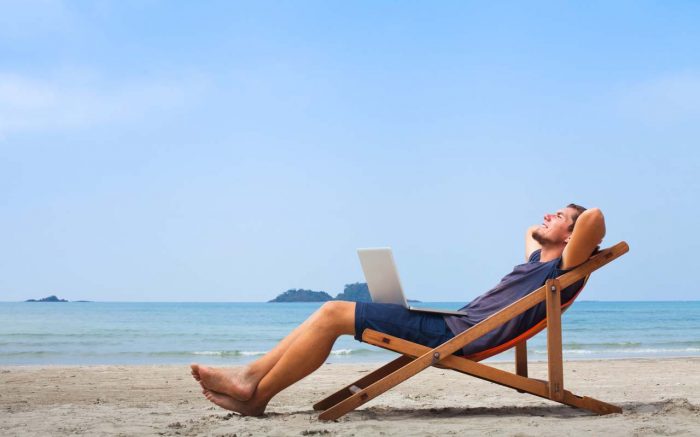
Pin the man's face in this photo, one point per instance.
(555, 227)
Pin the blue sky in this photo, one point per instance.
(228, 151)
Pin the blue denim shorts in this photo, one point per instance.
(422, 328)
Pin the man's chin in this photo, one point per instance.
(541, 239)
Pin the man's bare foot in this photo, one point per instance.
(229, 403)
(195, 372)
(235, 383)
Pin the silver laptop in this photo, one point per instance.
(383, 280)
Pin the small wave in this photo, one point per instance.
(624, 351)
(29, 353)
(342, 352)
(623, 344)
(93, 333)
(224, 353)
(234, 353)
(336, 352)
(358, 352)
(36, 344)
(345, 351)
(252, 353)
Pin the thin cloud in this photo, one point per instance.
(31, 18)
(673, 98)
(31, 104)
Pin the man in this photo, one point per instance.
(550, 248)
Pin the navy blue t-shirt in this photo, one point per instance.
(524, 279)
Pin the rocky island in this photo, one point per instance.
(51, 298)
(357, 292)
(301, 295)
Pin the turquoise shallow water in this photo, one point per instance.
(234, 333)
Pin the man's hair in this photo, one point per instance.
(579, 210)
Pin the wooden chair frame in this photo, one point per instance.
(415, 357)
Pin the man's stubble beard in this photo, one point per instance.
(541, 239)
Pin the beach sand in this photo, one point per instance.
(659, 397)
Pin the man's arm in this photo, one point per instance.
(530, 244)
(588, 234)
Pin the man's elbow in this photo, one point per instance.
(594, 218)
(593, 212)
(594, 215)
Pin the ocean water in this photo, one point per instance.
(235, 333)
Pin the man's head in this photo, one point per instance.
(557, 227)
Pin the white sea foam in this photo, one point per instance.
(256, 353)
(342, 351)
(650, 351)
(229, 353)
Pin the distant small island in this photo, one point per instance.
(357, 292)
(301, 295)
(51, 298)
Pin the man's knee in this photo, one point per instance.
(338, 315)
(337, 309)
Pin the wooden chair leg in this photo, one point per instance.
(554, 343)
(521, 358)
(363, 382)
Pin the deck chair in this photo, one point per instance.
(415, 357)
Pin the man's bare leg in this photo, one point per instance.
(240, 383)
(310, 343)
